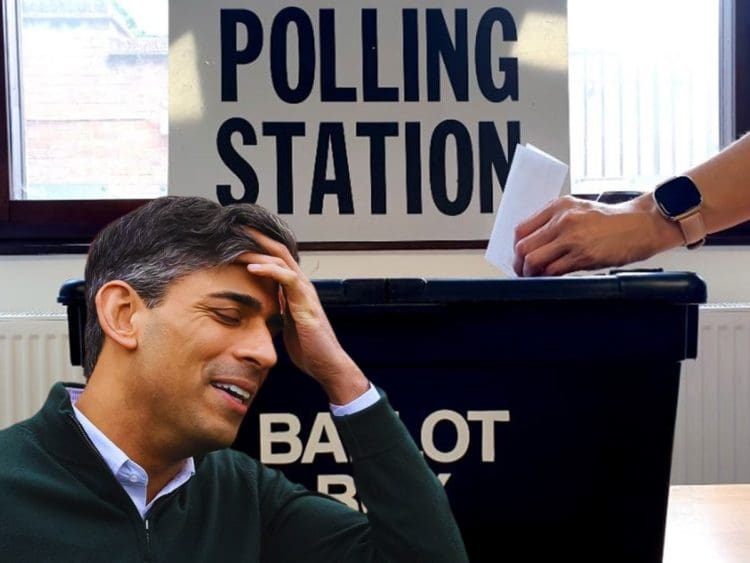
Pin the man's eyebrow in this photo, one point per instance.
(241, 298)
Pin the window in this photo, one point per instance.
(86, 112)
(48, 206)
(649, 100)
(644, 96)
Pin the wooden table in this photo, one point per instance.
(708, 524)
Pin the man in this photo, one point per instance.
(184, 299)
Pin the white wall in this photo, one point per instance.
(31, 284)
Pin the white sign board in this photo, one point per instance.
(361, 122)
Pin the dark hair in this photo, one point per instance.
(165, 240)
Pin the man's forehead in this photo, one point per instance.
(232, 278)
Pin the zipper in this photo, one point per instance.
(148, 539)
(86, 439)
(90, 444)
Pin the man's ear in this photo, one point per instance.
(116, 306)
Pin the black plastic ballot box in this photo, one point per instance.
(546, 406)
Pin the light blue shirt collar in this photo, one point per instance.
(128, 473)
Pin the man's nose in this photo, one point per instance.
(256, 346)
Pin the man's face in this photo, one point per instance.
(203, 355)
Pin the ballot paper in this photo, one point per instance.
(535, 178)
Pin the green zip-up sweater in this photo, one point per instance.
(59, 502)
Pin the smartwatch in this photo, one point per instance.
(679, 200)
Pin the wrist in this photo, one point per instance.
(369, 397)
(660, 233)
(344, 383)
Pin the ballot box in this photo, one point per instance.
(546, 406)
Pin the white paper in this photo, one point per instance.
(535, 178)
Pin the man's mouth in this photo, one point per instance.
(238, 394)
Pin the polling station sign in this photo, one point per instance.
(361, 122)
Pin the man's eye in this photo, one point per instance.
(227, 318)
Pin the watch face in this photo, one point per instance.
(677, 196)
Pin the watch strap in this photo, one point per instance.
(693, 229)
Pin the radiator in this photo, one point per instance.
(33, 355)
(712, 433)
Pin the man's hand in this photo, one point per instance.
(308, 336)
(572, 234)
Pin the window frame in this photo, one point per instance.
(67, 226)
(739, 234)
(45, 226)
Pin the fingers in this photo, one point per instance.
(536, 241)
(278, 264)
(532, 244)
(535, 222)
(298, 295)
(275, 248)
(537, 262)
(308, 335)
(297, 292)
(564, 264)
(270, 267)
(543, 241)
